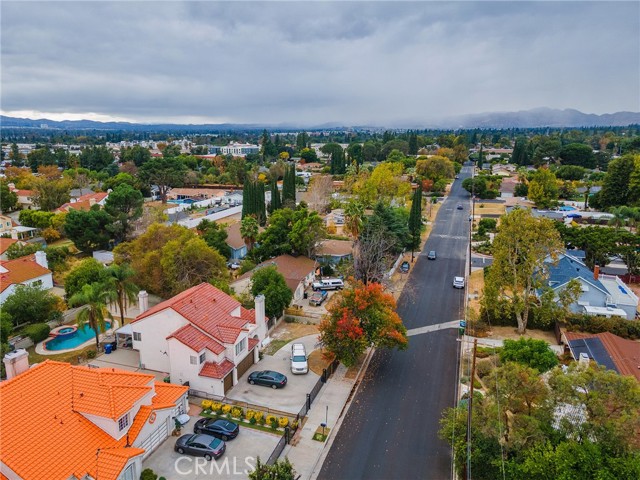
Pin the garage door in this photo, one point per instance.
(155, 439)
(245, 364)
(228, 382)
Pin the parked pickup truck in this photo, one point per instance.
(318, 297)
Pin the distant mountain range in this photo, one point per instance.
(539, 117)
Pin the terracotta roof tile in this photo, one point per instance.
(253, 342)
(111, 461)
(20, 270)
(216, 370)
(168, 393)
(6, 243)
(196, 340)
(52, 386)
(207, 308)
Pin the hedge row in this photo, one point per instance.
(618, 326)
(37, 332)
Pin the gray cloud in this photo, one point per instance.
(313, 62)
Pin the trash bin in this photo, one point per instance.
(107, 348)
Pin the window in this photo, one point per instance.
(129, 473)
(241, 345)
(137, 336)
(193, 359)
(203, 356)
(123, 422)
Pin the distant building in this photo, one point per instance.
(235, 149)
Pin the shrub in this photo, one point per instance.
(226, 409)
(216, 407)
(283, 422)
(206, 404)
(237, 412)
(530, 352)
(252, 420)
(484, 367)
(148, 474)
(91, 354)
(618, 326)
(37, 332)
(249, 415)
(259, 416)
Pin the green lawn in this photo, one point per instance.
(70, 357)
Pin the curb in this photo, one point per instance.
(329, 442)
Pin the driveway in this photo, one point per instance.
(238, 459)
(288, 399)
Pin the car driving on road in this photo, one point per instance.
(268, 378)
(458, 282)
(431, 255)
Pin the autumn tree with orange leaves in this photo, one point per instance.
(363, 316)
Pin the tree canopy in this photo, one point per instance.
(363, 316)
(269, 282)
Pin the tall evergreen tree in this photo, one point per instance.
(289, 186)
(413, 143)
(415, 219)
(248, 199)
(276, 202)
(260, 209)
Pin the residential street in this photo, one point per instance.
(391, 429)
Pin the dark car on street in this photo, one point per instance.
(431, 255)
(459, 207)
(268, 378)
(404, 268)
(220, 428)
(200, 445)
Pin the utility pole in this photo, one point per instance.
(470, 404)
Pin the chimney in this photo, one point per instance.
(596, 272)
(143, 301)
(260, 317)
(583, 360)
(41, 259)
(16, 362)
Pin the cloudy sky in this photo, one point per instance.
(307, 62)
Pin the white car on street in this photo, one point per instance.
(458, 282)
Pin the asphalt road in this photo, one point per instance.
(391, 428)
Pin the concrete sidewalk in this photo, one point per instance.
(305, 453)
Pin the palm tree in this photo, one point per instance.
(353, 214)
(249, 231)
(122, 291)
(620, 216)
(93, 299)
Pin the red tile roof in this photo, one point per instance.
(216, 370)
(45, 402)
(252, 343)
(624, 353)
(196, 340)
(207, 308)
(20, 270)
(6, 243)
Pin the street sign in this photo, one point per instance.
(463, 324)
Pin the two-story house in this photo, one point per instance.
(201, 336)
(61, 421)
(30, 270)
(601, 295)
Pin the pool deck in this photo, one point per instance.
(43, 351)
(125, 359)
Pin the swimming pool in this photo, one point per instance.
(71, 339)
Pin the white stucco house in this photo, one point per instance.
(92, 423)
(201, 337)
(29, 270)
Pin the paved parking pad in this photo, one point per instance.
(237, 461)
(293, 395)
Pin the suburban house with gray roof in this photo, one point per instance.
(602, 295)
(236, 242)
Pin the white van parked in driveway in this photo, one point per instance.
(328, 284)
(299, 363)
